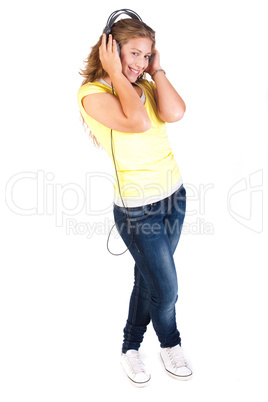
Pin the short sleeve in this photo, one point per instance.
(89, 89)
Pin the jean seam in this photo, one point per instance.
(134, 311)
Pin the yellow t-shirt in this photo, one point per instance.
(146, 167)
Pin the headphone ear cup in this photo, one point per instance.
(107, 31)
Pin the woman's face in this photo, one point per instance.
(134, 57)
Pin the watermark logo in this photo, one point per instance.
(197, 224)
(45, 197)
(38, 193)
(245, 201)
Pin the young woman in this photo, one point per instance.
(126, 115)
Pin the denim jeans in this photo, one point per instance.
(152, 233)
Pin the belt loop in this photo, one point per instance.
(168, 203)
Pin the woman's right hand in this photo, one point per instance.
(124, 112)
(109, 56)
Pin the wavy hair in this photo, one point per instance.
(122, 31)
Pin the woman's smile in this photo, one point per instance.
(135, 57)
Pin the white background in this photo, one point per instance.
(64, 298)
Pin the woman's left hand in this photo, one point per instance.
(155, 64)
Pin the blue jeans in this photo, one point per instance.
(155, 233)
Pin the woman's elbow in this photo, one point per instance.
(146, 125)
(179, 115)
(175, 115)
(172, 117)
(141, 125)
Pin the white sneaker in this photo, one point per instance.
(175, 363)
(134, 368)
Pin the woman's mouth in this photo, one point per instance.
(135, 72)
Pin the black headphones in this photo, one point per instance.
(113, 17)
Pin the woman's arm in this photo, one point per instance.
(127, 113)
(170, 105)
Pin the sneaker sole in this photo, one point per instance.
(178, 377)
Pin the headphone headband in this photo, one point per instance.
(113, 17)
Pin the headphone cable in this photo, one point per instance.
(128, 220)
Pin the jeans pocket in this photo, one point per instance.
(181, 193)
(136, 213)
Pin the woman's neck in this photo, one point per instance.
(107, 79)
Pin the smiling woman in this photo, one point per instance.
(136, 42)
(127, 114)
(135, 55)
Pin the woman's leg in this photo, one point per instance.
(138, 315)
(159, 273)
(156, 235)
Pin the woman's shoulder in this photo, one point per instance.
(94, 87)
(149, 85)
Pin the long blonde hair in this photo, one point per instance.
(122, 31)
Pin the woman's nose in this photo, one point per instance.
(140, 62)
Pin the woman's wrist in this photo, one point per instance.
(158, 70)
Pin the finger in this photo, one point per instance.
(110, 43)
(114, 46)
(102, 47)
(104, 41)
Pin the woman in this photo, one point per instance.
(124, 109)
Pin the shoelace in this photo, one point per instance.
(135, 363)
(177, 358)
